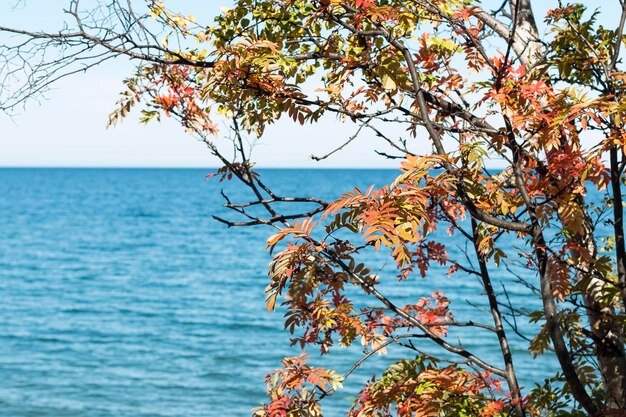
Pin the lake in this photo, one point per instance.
(121, 296)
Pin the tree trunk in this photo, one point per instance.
(607, 332)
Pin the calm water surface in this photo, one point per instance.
(120, 296)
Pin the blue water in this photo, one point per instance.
(121, 296)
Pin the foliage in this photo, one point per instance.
(474, 85)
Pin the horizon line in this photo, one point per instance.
(198, 167)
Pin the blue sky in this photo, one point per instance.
(68, 128)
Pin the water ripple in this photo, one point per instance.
(121, 297)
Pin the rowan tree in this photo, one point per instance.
(472, 82)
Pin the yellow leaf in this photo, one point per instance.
(271, 302)
(388, 83)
